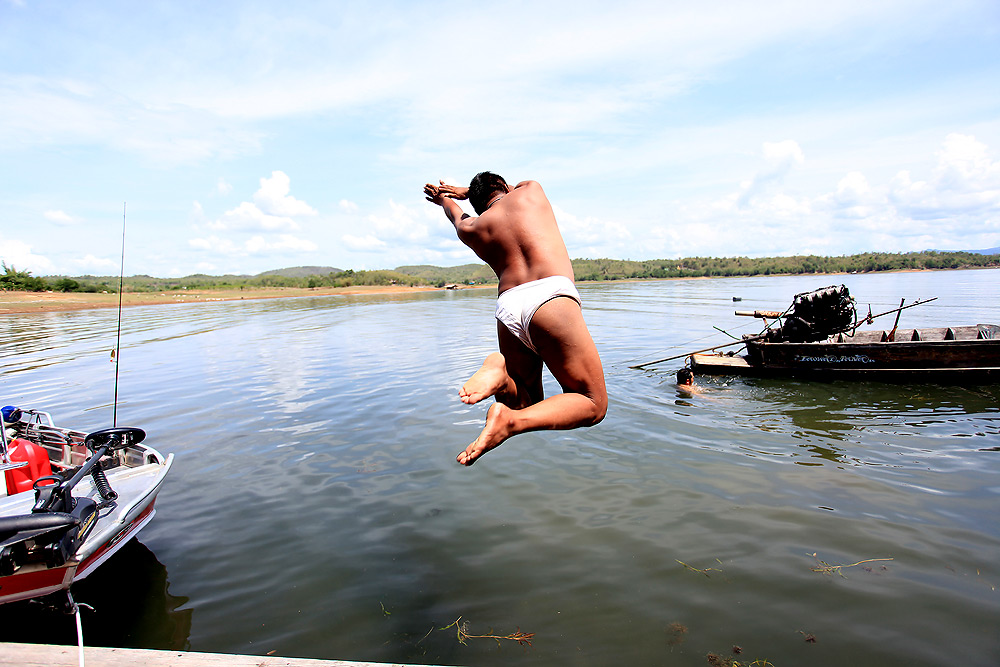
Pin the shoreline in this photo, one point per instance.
(17, 303)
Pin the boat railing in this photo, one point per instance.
(65, 446)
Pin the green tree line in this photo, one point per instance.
(584, 269)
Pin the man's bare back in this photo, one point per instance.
(518, 237)
(538, 312)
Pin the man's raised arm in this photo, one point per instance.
(445, 196)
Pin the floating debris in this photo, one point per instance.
(826, 568)
(677, 632)
(719, 661)
(705, 571)
(462, 632)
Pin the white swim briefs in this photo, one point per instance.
(516, 306)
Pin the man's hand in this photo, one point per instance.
(437, 193)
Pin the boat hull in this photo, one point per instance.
(137, 481)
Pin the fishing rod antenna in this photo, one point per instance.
(118, 340)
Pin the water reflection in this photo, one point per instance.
(132, 608)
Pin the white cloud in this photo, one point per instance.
(255, 245)
(273, 198)
(956, 206)
(91, 264)
(38, 110)
(348, 206)
(398, 229)
(258, 245)
(223, 187)
(780, 158)
(589, 236)
(59, 217)
(366, 243)
(215, 244)
(19, 255)
(965, 181)
(400, 225)
(272, 209)
(247, 216)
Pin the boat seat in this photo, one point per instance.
(44, 521)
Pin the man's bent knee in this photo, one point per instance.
(600, 411)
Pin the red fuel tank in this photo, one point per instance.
(22, 479)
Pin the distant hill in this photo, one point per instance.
(466, 273)
(301, 271)
(988, 251)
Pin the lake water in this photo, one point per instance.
(315, 508)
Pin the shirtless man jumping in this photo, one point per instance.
(538, 314)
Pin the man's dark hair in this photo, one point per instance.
(685, 376)
(482, 188)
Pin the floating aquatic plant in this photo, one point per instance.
(719, 661)
(705, 571)
(462, 632)
(826, 568)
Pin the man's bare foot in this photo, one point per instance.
(497, 429)
(489, 380)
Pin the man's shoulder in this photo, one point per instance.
(529, 191)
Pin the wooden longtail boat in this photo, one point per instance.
(946, 353)
(818, 338)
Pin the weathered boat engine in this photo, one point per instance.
(815, 315)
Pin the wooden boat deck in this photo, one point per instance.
(42, 655)
(731, 364)
(923, 335)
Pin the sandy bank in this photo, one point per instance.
(36, 302)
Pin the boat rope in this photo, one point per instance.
(683, 345)
(74, 609)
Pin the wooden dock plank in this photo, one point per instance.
(43, 655)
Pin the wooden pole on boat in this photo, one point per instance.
(707, 349)
(762, 314)
(892, 334)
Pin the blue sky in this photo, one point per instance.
(249, 136)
